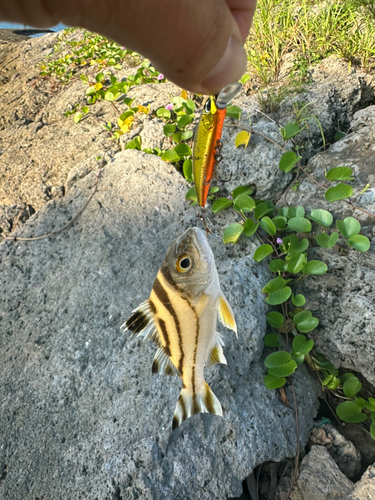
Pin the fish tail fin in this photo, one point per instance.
(189, 404)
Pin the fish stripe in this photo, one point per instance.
(155, 366)
(183, 407)
(167, 343)
(208, 400)
(152, 306)
(137, 322)
(164, 299)
(175, 423)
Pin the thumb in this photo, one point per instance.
(197, 44)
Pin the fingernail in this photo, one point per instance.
(229, 69)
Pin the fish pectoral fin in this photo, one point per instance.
(226, 315)
(141, 322)
(190, 404)
(216, 353)
(163, 365)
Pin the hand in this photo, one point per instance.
(197, 44)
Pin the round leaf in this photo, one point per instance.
(232, 233)
(299, 224)
(170, 156)
(272, 340)
(169, 129)
(359, 242)
(280, 364)
(191, 195)
(241, 190)
(322, 217)
(277, 265)
(274, 285)
(182, 150)
(183, 120)
(243, 203)
(188, 170)
(234, 112)
(163, 113)
(288, 160)
(296, 263)
(221, 204)
(276, 298)
(348, 227)
(299, 300)
(262, 252)
(275, 319)
(268, 225)
(339, 192)
(261, 210)
(280, 222)
(351, 387)
(272, 382)
(340, 174)
(250, 227)
(350, 412)
(305, 321)
(315, 267)
(301, 345)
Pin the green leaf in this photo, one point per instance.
(268, 225)
(85, 109)
(299, 224)
(299, 300)
(272, 382)
(262, 252)
(183, 120)
(189, 106)
(170, 156)
(331, 382)
(359, 242)
(296, 263)
(280, 222)
(322, 217)
(276, 298)
(351, 387)
(221, 204)
(188, 170)
(191, 195)
(301, 345)
(214, 190)
(99, 77)
(261, 210)
(305, 322)
(274, 284)
(272, 340)
(169, 129)
(315, 267)
(250, 227)
(373, 417)
(185, 135)
(290, 130)
(163, 113)
(288, 160)
(280, 364)
(275, 319)
(234, 112)
(243, 203)
(128, 101)
(326, 241)
(241, 190)
(348, 227)
(126, 115)
(340, 174)
(339, 192)
(370, 405)
(109, 96)
(91, 91)
(77, 117)
(183, 150)
(232, 233)
(300, 212)
(346, 376)
(277, 265)
(350, 412)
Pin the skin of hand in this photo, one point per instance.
(197, 44)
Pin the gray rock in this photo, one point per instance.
(344, 453)
(365, 488)
(319, 478)
(363, 441)
(79, 403)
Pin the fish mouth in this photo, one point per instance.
(193, 236)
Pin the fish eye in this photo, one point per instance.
(183, 264)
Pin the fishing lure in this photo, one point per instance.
(207, 143)
(180, 316)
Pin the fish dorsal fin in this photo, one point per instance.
(163, 365)
(189, 404)
(216, 353)
(226, 315)
(142, 323)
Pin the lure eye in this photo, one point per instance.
(207, 106)
(183, 264)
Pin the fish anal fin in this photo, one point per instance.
(141, 322)
(163, 365)
(216, 355)
(226, 315)
(190, 404)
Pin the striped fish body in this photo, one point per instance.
(181, 316)
(207, 139)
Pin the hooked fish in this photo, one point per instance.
(207, 139)
(180, 316)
